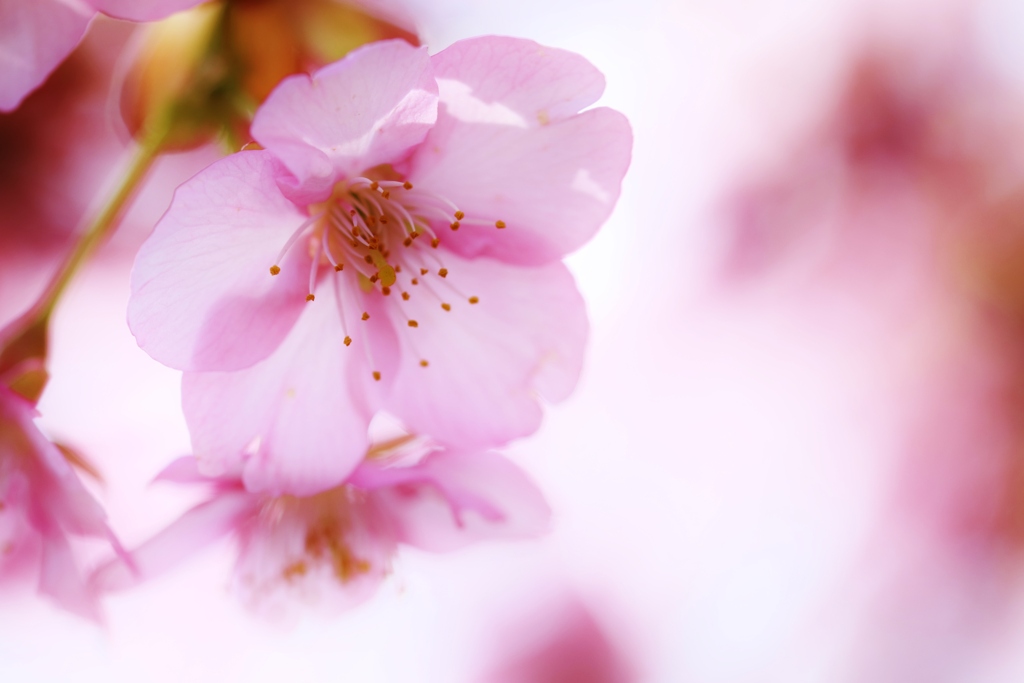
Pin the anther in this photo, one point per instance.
(459, 215)
(474, 300)
(435, 242)
(340, 267)
(415, 281)
(374, 186)
(348, 340)
(366, 316)
(443, 272)
(385, 290)
(376, 375)
(310, 297)
(500, 225)
(374, 278)
(405, 296)
(368, 259)
(407, 185)
(423, 271)
(454, 225)
(384, 219)
(446, 307)
(407, 241)
(424, 363)
(274, 270)
(413, 323)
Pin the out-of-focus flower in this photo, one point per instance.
(412, 212)
(42, 503)
(334, 548)
(903, 215)
(36, 35)
(562, 644)
(57, 148)
(209, 68)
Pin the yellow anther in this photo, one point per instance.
(459, 215)
(340, 267)
(474, 300)
(413, 323)
(366, 316)
(424, 363)
(385, 290)
(500, 225)
(454, 225)
(348, 340)
(443, 272)
(423, 271)
(407, 185)
(310, 297)
(435, 242)
(376, 375)
(405, 296)
(274, 270)
(374, 185)
(415, 281)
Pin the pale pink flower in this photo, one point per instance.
(563, 643)
(36, 35)
(412, 212)
(42, 503)
(335, 547)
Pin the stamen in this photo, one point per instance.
(446, 307)
(500, 225)
(366, 316)
(310, 297)
(292, 239)
(376, 375)
(474, 300)
(424, 363)
(413, 323)
(348, 340)
(405, 296)
(443, 272)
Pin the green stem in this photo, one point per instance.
(101, 226)
(25, 339)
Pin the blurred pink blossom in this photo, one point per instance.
(36, 35)
(334, 548)
(42, 504)
(563, 643)
(412, 212)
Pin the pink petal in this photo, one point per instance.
(279, 565)
(36, 36)
(464, 498)
(367, 109)
(553, 186)
(499, 74)
(295, 422)
(202, 294)
(190, 533)
(142, 10)
(60, 579)
(487, 363)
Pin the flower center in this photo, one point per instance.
(383, 233)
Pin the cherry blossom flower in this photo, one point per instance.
(42, 503)
(36, 35)
(335, 547)
(412, 212)
(563, 643)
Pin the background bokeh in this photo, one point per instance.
(791, 454)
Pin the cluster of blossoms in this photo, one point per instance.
(388, 244)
